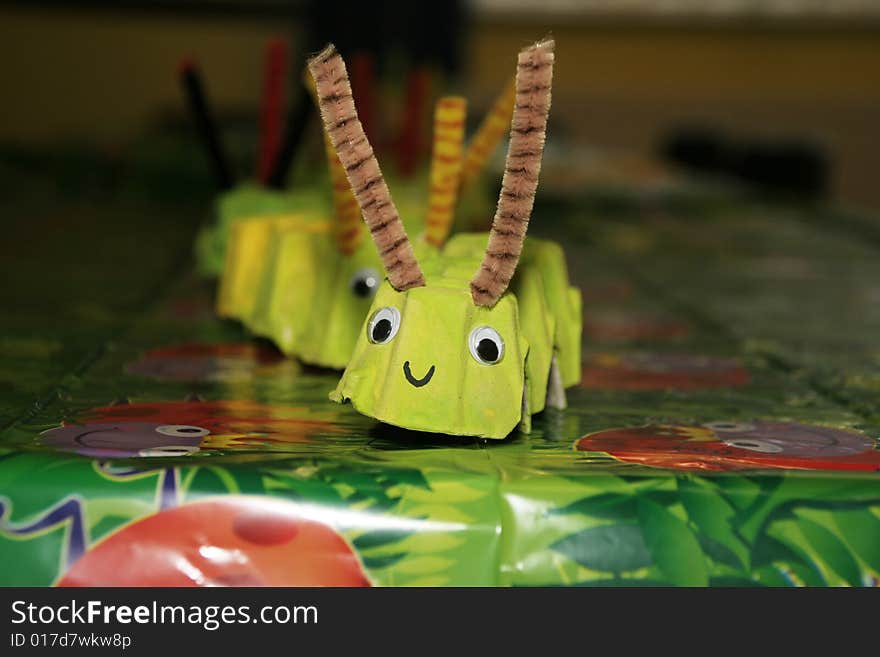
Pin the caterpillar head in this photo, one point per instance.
(430, 359)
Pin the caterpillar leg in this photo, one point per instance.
(555, 387)
(525, 422)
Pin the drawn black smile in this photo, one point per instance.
(418, 383)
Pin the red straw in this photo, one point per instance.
(273, 99)
(418, 88)
(363, 83)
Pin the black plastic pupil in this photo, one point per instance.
(361, 288)
(381, 330)
(188, 430)
(488, 350)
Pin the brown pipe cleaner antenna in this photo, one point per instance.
(362, 169)
(528, 128)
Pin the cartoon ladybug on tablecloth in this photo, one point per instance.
(738, 446)
(223, 363)
(169, 429)
(654, 371)
(616, 326)
(225, 541)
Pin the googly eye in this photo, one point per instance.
(169, 450)
(726, 426)
(365, 282)
(486, 345)
(182, 431)
(383, 325)
(754, 445)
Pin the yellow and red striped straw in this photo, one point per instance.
(347, 227)
(446, 167)
(492, 130)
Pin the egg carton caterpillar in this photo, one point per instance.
(308, 285)
(476, 338)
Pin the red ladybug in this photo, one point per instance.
(662, 372)
(624, 327)
(228, 362)
(228, 541)
(182, 428)
(738, 446)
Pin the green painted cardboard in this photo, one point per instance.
(246, 202)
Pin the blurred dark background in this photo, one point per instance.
(734, 87)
